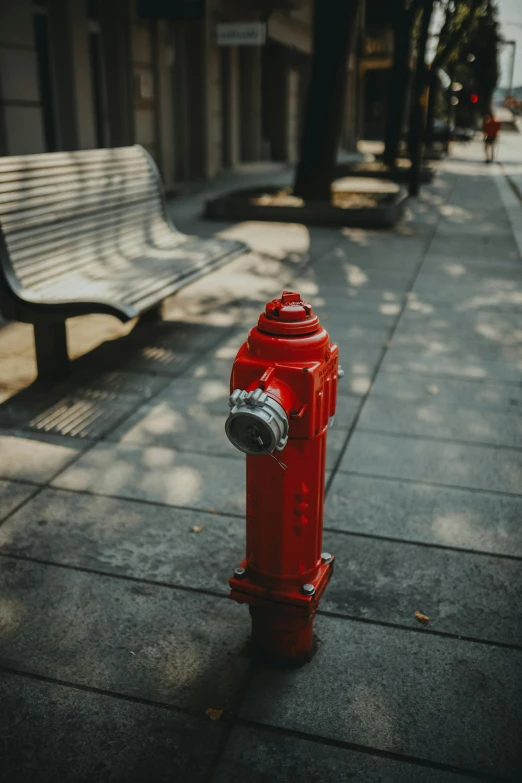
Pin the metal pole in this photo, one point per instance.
(512, 74)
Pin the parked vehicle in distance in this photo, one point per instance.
(464, 134)
(443, 131)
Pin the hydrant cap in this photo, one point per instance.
(288, 315)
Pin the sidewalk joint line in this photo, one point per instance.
(216, 594)
(420, 629)
(449, 377)
(98, 691)
(425, 482)
(239, 698)
(368, 750)
(424, 544)
(439, 439)
(159, 503)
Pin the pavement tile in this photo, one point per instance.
(462, 365)
(77, 417)
(431, 419)
(170, 425)
(12, 494)
(458, 342)
(401, 242)
(265, 756)
(465, 244)
(448, 391)
(425, 514)
(346, 409)
(399, 256)
(416, 694)
(160, 475)
(359, 364)
(352, 351)
(471, 467)
(52, 732)
(462, 593)
(333, 299)
(491, 327)
(361, 317)
(354, 337)
(211, 393)
(492, 223)
(212, 368)
(335, 444)
(35, 456)
(180, 547)
(464, 265)
(141, 640)
(347, 275)
(470, 293)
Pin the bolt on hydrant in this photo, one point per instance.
(284, 392)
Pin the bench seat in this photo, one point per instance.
(88, 232)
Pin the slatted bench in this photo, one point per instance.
(88, 232)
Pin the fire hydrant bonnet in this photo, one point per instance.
(288, 316)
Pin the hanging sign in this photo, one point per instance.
(241, 34)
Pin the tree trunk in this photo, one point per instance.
(334, 30)
(434, 86)
(399, 82)
(418, 115)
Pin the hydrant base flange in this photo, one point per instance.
(247, 591)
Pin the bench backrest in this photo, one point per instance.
(58, 209)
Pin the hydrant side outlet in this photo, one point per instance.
(279, 417)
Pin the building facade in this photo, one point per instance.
(78, 74)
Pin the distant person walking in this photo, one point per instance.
(490, 128)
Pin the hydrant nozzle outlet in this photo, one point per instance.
(257, 424)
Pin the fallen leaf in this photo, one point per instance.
(197, 529)
(432, 389)
(422, 618)
(212, 510)
(213, 713)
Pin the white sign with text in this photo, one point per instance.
(241, 34)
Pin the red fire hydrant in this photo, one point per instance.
(284, 391)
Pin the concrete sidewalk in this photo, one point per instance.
(122, 507)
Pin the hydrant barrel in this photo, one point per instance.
(283, 395)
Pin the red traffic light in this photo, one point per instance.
(473, 98)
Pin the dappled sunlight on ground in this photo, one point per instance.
(12, 615)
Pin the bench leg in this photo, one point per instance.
(152, 316)
(52, 359)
